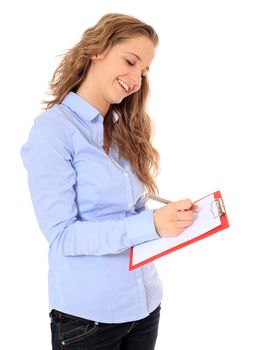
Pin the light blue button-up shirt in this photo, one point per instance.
(90, 207)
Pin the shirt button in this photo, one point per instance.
(130, 205)
(126, 174)
(139, 280)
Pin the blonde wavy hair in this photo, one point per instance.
(133, 131)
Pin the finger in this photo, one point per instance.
(194, 207)
(184, 204)
(184, 223)
(178, 231)
(184, 215)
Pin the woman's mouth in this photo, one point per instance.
(123, 85)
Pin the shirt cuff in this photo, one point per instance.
(141, 228)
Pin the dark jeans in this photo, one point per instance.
(74, 333)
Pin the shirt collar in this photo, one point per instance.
(115, 116)
(80, 106)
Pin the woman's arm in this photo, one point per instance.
(47, 157)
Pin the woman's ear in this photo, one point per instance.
(98, 57)
(94, 57)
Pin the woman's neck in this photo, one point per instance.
(91, 94)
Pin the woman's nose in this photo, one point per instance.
(136, 80)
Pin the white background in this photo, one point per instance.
(205, 103)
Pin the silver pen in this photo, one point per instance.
(161, 200)
(156, 198)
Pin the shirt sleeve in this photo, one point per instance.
(47, 156)
(141, 205)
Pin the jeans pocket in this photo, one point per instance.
(75, 330)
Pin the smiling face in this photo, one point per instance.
(117, 73)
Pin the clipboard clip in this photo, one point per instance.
(218, 208)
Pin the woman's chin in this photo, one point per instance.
(116, 99)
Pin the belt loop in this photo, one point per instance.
(55, 313)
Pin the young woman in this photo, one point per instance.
(89, 159)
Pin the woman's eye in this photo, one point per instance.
(130, 63)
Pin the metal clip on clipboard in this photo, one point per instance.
(217, 208)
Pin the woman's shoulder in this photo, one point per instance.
(53, 116)
(53, 121)
(51, 126)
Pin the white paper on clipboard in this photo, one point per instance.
(205, 221)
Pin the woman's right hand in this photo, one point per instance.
(172, 219)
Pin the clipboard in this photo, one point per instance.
(213, 215)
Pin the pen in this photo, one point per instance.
(160, 199)
(156, 198)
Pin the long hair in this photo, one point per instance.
(133, 131)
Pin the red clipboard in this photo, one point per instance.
(224, 224)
